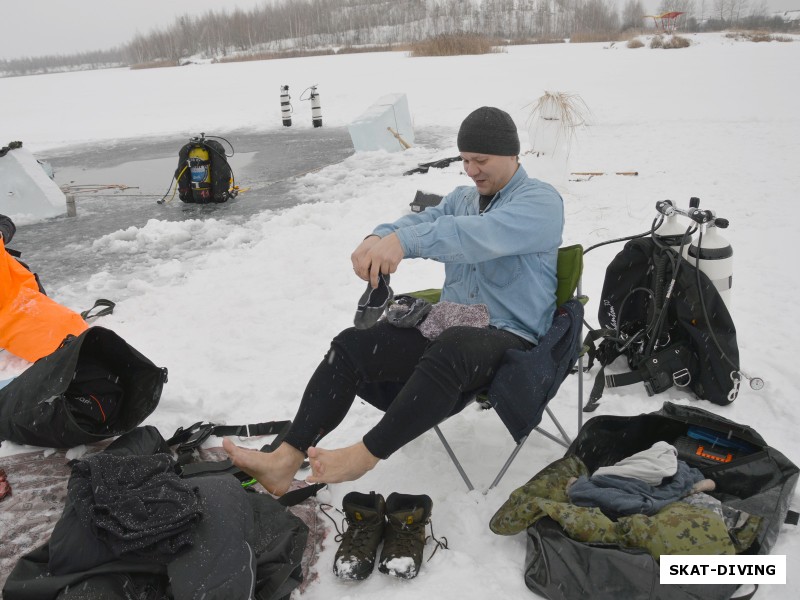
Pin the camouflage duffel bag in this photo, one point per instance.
(578, 552)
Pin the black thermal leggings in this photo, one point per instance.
(438, 375)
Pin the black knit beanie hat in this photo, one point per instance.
(489, 130)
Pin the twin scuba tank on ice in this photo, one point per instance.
(203, 174)
(707, 249)
(313, 97)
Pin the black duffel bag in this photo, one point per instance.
(93, 387)
(247, 545)
(760, 481)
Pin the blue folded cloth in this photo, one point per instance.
(620, 496)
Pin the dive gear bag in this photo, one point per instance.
(247, 546)
(759, 480)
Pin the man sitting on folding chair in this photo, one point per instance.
(499, 241)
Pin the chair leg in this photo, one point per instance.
(453, 458)
(566, 441)
(550, 436)
(463, 473)
(561, 430)
(508, 462)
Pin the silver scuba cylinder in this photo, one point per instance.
(713, 255)
(316, 107)
(671, 232)
(286, 106)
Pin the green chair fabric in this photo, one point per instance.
(432, 295)
(568, 271)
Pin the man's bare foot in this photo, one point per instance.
(274, 470)
(342, 464)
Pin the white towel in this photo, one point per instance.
(651, 465)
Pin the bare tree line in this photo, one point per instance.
(306, 24)
(98, 59)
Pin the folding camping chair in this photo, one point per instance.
(569, 271)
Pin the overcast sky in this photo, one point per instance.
(39, 27)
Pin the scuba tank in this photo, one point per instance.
(671, 232)
(673, 235)
(286, 106)
(708, 251)
(316, 105)
(199, 165)
(713, 255)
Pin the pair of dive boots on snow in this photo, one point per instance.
(399, 521)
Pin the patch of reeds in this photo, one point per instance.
(362, 49)
(155, 64)
(635, 43)
(534, 41)
(589, 37)
(670, 41)
(273, 55)
(677, 41)
(758, 36)
(455, 45)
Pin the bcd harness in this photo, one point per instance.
(667, 318)
(203, 174)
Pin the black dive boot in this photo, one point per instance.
(366, 516)
(404, 537)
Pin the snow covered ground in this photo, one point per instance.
(243, 323)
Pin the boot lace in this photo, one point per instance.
(355, 536)
(439, 542)
(407, 539)
(325, 507)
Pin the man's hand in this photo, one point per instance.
(359, 256)
(377, 255)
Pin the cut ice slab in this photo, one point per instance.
(27, 194)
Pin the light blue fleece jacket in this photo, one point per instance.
(504, 258)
